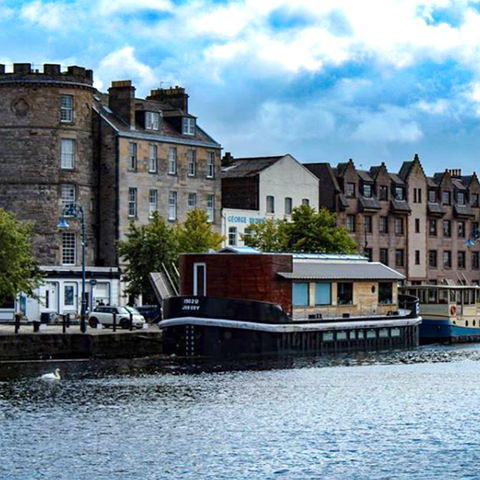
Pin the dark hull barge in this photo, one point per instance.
(214, 327)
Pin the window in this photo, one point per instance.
(132, 156)
(462, 259)
(368, 253)
(383, 224)
(69, 295)
(172, 206)
(351, 223)
(152, 202)
(447, 259)
(398, 226)
(66, 108)
(367, 223)
(152, 120)
(270, 204)
(432, 258)
(69, 250)
(68, 197)
(188, 126)
(461, 198)
(461, 229)
(399, 257)
(67, 154)
(432, 196)
(323, 293)
(211, 207)
(417, 195)
(417, 225)
(344, 293)
(417, 257)
(385, 293)
(474, 199)
(384, 256)
(288, 206)
(132, 202)
(367, 190)
(301, 297)
(172, 161)
(210, 164)
(446, 197)
(475, 261)
(232, 236)
(399, 193)
(350, 190)
(305, 201)
(475, 230)
(153, 162)
(199, 279)
(432, 228)
(447, 228)
(192, 163)
(192, 200)
(383, 192)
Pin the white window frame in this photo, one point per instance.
(305, 201)
(210, 164)
(68, 196)
(152, 121)
(70, 306)
(132, 202)
(211, 207)
(69, 248)
(172, 205)
(67, 153)
(288, 205)
(192, 163)
(188, 126)
(132, 156)
(66, 108)
(270, 204)
(232, 236)
(195, 279)
(152, 202)
(172, 161)
(153, 160)
(192, 196)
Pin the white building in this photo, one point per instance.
(260, 188)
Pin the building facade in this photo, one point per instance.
(261, 188)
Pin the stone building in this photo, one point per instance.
(417, 224)
(118, 156)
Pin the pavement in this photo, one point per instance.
(9, 329)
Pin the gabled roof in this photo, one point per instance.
(322, 171)
(248, 167)
(405, 169)
(365, 176)
(396, 179)
(457, 183)
(431, 182)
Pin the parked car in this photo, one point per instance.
(104, 315)
(152, 313)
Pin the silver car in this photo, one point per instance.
(104, 316)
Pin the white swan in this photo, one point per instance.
(52, 376)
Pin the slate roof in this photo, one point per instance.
(435, 209)
(458, 184)
(369, 203)
(396, 179)
(248, 167)
(463, 211)
(322, 171)
(401, 206)
(406, 166)
(431, 182)
(365, 176)
(341, 271)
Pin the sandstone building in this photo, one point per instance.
(119, 156)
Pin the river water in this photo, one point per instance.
(400, 415)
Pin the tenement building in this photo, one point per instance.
(417, 224)
(119, 157)
(259, 188)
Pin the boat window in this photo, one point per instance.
(478, 296)
(432, 295)
(341, 335)
(458, 297)
(422, 295)
(466, 297)
(466, 323)
(199, 279)
(395, 332)
(385, 293)
(301, 294)
(344, 293)
(443, 296)
(452, 296)
(323, 293)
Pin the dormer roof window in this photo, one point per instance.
(367, 190)
(188, 126)
(152, 120)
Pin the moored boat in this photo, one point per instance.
(234, 304)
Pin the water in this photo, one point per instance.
(404, 415)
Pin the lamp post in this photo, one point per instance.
(75, 210)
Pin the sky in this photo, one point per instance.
(324, 80)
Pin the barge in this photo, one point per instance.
(232, 304)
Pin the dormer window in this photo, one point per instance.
(367, 190)
(188, 126)
(460, 198)
(399, 193)
(152, 121)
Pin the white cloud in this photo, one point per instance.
(438, 107)
(111, 7)
(51, 15)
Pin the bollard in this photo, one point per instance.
(64, 323)
(114, 322)
(68, 320)
(36, 325)
(17, 322)
(131, 321)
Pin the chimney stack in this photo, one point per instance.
(121, 100)
(175, 97)
(227, 158)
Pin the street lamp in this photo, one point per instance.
(75, 210)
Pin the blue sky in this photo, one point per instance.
(324, 80)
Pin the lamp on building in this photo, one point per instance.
(75, 210)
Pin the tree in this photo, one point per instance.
(19, 271)
(144, 250)
(195, 235)
(308, 232)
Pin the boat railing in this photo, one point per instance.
(409, 303)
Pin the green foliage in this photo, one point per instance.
(308, 232)
(195, 235)
(144, 250)
(19, 272)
